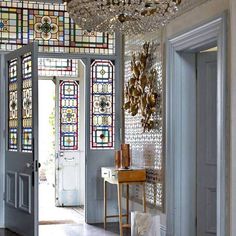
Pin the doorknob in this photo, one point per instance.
(37, 165)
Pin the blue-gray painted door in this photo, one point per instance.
(21, 159)
(206, 143)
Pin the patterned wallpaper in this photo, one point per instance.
(146, 146)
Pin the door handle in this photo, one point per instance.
(37, 165)
(31, 165)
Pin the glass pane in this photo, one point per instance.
(27, 103)
(69, 111)
(102, 104)
(22, 22)
(58, 67)
(12, 106)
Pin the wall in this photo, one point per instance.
(147, 146)
(182, 23)
(195, 17)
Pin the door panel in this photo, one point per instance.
(67, 143)
(206, 143)
(21, 136)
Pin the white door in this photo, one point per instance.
(21, 186)
(206, 143)
(67, 143)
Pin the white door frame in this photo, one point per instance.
(212, 32)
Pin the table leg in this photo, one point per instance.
(119, 190)
(127, 204)
(144, 198)
(105, 204)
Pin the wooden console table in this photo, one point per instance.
(120, 177)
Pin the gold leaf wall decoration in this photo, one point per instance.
(141, 93)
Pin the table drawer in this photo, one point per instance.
(131, 176)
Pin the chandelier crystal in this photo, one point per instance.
(125, 16)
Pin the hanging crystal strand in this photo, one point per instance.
(126, 16)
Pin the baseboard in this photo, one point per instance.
(163, 230)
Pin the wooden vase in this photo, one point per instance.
(117, 159)
(125, 155)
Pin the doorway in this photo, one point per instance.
(61, 144)
(206, 147)
(185, 106)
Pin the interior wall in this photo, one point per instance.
(146, 147)
(182, 23)
(196, 17)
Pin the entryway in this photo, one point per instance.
(61, 145)
(206, 162)
(196, 131)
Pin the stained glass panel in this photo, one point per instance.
(23, 22)
(69, 111)
(12, 106)
(58, 67)
(102, 104)
(27, 103)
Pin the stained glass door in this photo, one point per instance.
(21, 159)
(67, 143)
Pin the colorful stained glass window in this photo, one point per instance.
(58, 67)
(12, 103)
(69, 111)
(22, 22)
(102, 104)
(27, 103)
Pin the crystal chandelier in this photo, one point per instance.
(125, 16)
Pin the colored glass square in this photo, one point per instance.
(49, 24)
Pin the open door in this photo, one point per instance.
(21, 185)
(67, 143)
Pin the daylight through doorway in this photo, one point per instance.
(49, 213)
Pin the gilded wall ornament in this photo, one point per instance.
(141, 92)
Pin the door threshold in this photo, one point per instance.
(56, 222)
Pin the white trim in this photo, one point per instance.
(209, 33)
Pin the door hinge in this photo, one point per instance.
(4, 196)
(4, 133)
(196, 222)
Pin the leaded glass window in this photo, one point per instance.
(13, 104)
(58, 67)
(102, 104)
(27, 103)
(69, 111)
(22, 22)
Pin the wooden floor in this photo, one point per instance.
(75, 230)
